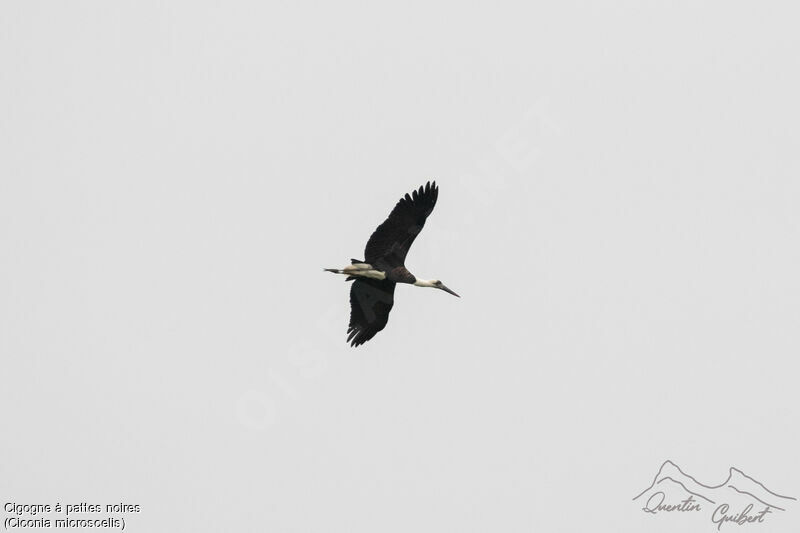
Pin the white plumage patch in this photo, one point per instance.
(363, 270)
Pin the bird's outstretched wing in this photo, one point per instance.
(389, 243)
(370, 303)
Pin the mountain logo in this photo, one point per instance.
(739, 500)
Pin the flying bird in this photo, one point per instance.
(383, 267)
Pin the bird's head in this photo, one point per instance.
(439, 285)
(434, 283)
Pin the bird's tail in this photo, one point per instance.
(339, 271)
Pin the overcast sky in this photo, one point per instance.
(618, 209)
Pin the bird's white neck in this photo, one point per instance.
(424, 283)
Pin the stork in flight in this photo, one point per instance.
(374, 278)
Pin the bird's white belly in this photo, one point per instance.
(374, 274)
(363, 270)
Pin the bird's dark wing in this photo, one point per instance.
(370, 303)
(391, 241)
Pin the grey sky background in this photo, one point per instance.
(618, 209)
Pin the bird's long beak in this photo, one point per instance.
(445, 289)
